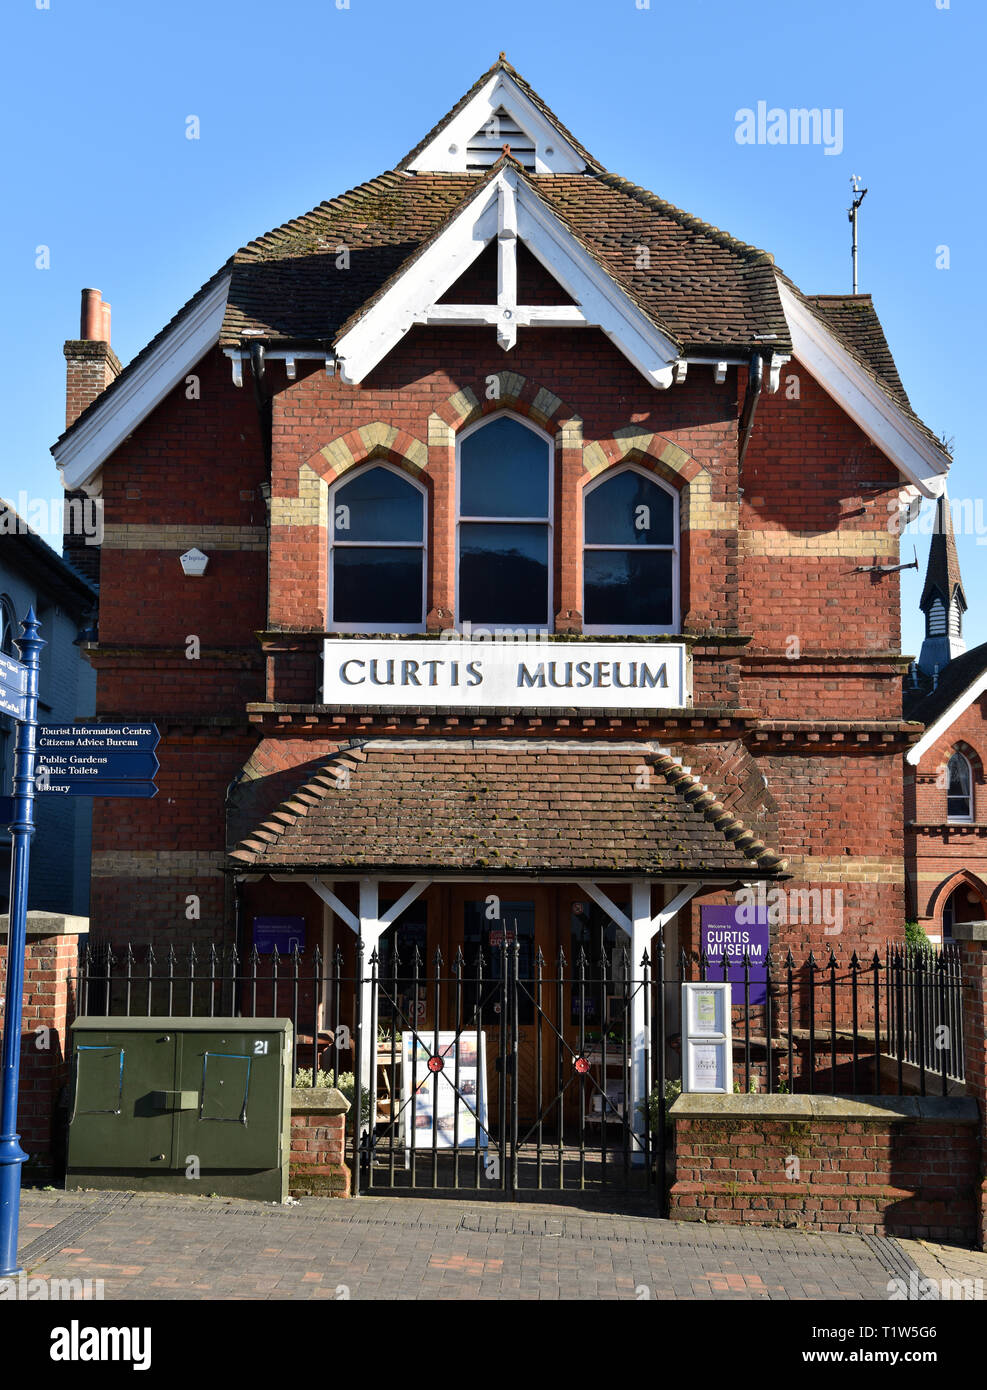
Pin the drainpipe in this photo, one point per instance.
(233, 888)
(755, 384)
(262, 398)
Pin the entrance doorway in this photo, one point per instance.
(506, 1037)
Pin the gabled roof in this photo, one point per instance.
(708, 289)
(25, 553)
(853, 318)
(501, 69)
(963, 680)
(844, 353)
(706, 292)
(501, 807)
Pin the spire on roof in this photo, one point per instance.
(943, 601)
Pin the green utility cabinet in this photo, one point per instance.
(157, 1101)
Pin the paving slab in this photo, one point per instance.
(151, 1246)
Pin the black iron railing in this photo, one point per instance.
(858, 1025)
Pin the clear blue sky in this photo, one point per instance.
(300, 100)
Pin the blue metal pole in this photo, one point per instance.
(22, 830)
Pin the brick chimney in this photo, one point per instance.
(91, 364)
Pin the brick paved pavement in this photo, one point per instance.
(166, 1247)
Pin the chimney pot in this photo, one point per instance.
(105, 335)
(91, 319)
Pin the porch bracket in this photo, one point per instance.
(601, 900)
(322, 890)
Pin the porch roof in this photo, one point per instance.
(501, 807)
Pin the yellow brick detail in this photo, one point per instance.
(674, 456)
(859, 545)
(440, 435)
(338, 456)
(378, 435)
(181, 538)
(570, 435)
(594, 459)
(631, 437)
(545, 404)
(836, 869)
(464, 403)
(157, 863)
(417, 454)
(309, 508)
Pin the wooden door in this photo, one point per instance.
(482, 918)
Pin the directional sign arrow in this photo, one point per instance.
(97, 738)
(95, 787)
(87, 766)
(13, 674)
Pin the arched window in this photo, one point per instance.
(959, 789)
(377, 552)
(630, 554)
(505, 525)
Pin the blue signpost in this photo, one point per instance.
(69, 760)
(97, 760)
(12, 1156)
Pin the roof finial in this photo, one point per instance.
(507, 150)
(502, 56)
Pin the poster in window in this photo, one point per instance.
(449, 1104)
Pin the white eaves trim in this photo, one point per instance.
(935, 731)
(446, 152)
(884, 424)
(602, 301)
(85, 450)
(599, 301)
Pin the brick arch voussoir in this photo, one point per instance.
(360, 446)
(514, 392)
(650, 450)
(971, 755)
(942, 893)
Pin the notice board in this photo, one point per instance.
(438, 1113)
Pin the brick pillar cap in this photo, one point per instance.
(324, 1100)
(49, 924)
(970, 931)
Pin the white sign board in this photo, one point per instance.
(449, 1105)
(506, 674)
(707, 1036)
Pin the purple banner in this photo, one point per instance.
(736, 930)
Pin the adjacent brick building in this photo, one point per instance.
(945, 806)
(500, 387)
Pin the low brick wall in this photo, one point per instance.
(895, 1165)
(50, 961)
(318, 1143)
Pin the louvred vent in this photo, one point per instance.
(487, 145)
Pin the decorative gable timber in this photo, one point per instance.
(901, 437)
(508, 208)
(454, 142)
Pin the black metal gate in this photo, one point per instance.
(507, 1074)
(511, 1078)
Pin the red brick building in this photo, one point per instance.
(498, 387)
(945, 805)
